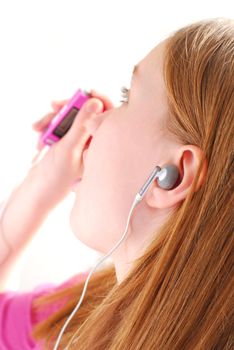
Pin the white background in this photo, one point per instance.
(49, 49)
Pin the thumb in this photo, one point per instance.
(87, 112)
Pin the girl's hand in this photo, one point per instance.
(62, 165)
(42, 124)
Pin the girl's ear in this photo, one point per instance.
(188, 160)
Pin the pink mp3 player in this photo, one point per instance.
(63, 120)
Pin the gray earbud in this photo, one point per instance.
(167, 176)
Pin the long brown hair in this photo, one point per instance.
(179, 293)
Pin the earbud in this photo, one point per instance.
(167, 176)
(166, 179)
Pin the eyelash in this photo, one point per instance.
(125, 94)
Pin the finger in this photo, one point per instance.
(43, 123)
(108, 104)
(57, 105)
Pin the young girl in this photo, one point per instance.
(171, 282)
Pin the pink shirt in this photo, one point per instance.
(16, 319)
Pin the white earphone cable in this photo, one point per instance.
(137, 199)
(155, 173)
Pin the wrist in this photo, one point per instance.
(23, 213)
(48, 189)
(39, 189)
(6, 248)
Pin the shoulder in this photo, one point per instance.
(49, 288)
(17, 318)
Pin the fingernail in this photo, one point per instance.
(94, 107)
